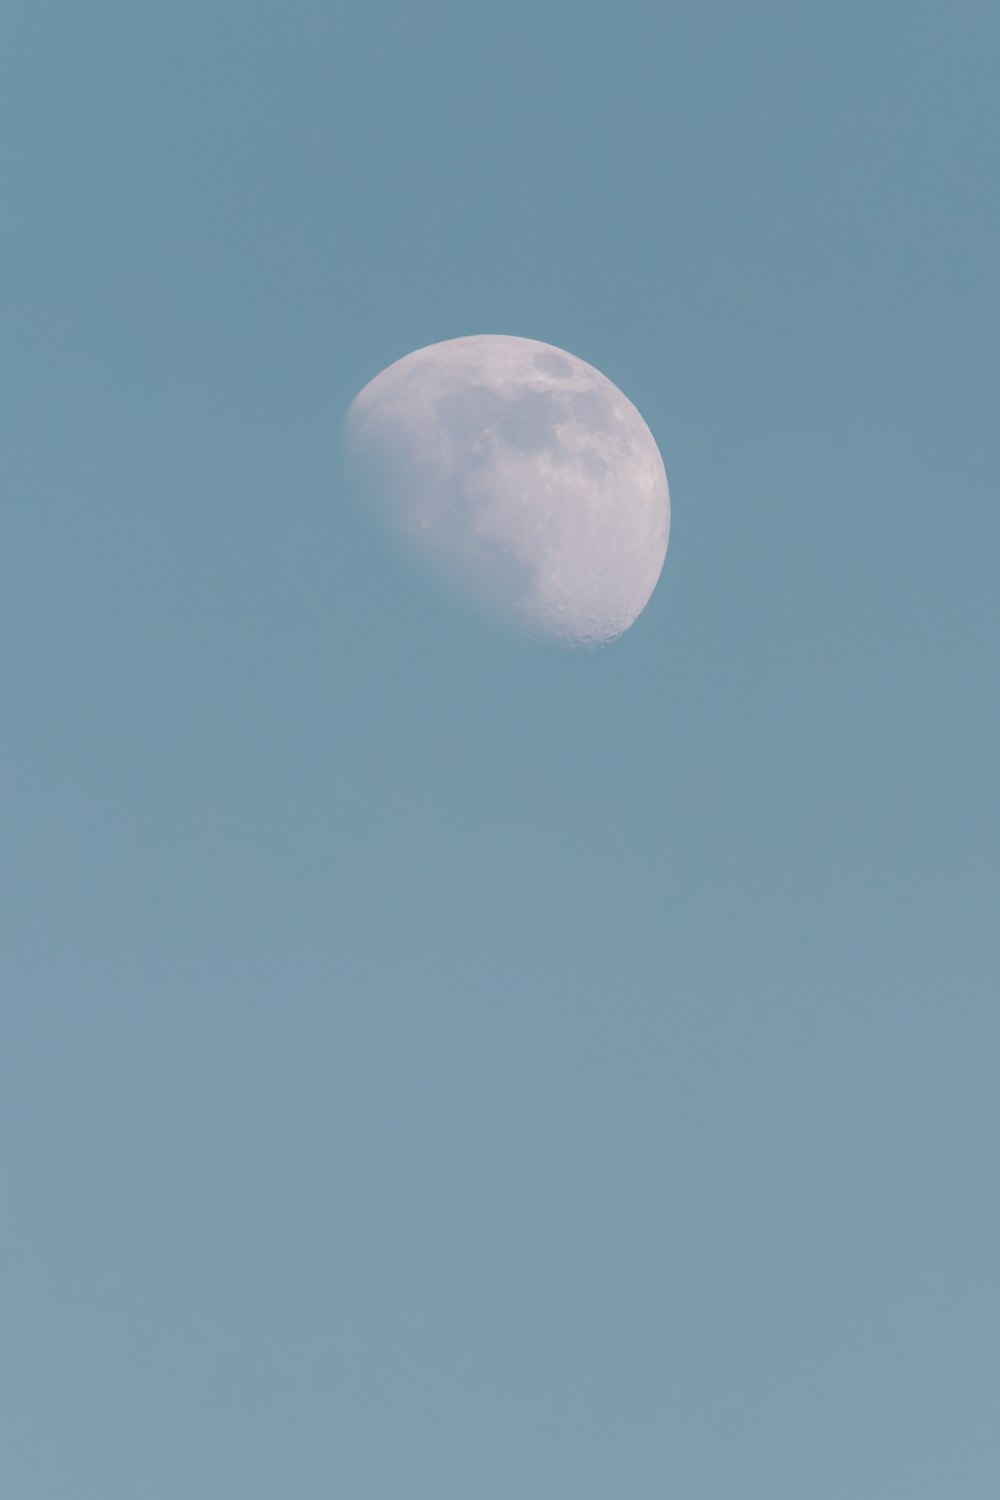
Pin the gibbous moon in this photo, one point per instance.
(522, 477)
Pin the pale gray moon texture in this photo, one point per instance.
(522, 477)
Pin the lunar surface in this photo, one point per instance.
(522, 477)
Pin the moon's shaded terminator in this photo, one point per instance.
(523, 477)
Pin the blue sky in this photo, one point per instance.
(433, 1064)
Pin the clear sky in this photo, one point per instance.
(435, 1066)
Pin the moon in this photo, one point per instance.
(522, 477)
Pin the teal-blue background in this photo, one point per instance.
(432, 1066)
